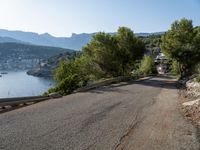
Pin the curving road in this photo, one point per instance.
(138, 115)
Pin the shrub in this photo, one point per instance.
(66, 86)
(197, 68)
(198, 79)
(175, 67)
(147, 66)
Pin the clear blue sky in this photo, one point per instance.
(63, 17)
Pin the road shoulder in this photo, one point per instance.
(162, 126)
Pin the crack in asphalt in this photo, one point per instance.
(123, 139)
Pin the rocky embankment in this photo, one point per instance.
(41, 71)
(191, 108)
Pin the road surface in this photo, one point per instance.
(138, 115)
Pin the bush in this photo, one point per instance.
(67, 86)
(197, 68)
(198, 79)
(147, 66)
(175, 67)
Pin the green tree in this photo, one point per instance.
(65, 69)
(129, 49)
(181, 44)
(102, 52)
(105, 56)
(115, 54)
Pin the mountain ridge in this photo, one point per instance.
(75, 42)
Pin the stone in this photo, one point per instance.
(55, 95)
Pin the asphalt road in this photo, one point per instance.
(138, 115)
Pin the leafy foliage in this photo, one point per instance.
(147, 65)
(101, 52)
(66, 86)
(130, 49)
(152, 44)
(198, 79)
(181, 43)
(175, 67)
(105, 56)
(115, 54)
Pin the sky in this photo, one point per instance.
(64, 17)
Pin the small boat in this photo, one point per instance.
(4, 73)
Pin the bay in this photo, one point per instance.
(19, 84)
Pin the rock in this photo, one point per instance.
(55, 95)
(191, 103)
(193, 89)
(43, 72)
(191, 110)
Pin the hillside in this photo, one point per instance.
(9, 40)
(152, 44)
(45, 67)
(24, 56)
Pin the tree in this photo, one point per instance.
(105, 56)
(115, 54)
(102, 52)
(129, 49)
(65, 69)
(181, 44)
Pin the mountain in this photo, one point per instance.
(9, 40)
(25, 56)
(148, 34)
(76, 41)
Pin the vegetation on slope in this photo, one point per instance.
(147, 66)
(104, 57)
(181, 43)
(152, 44)
(45, 67)
(119, 54)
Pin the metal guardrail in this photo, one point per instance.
(103, 83)
(16, 101)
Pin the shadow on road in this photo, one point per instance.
(157, 82)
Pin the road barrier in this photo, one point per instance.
(16, 101)
(103, 83)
